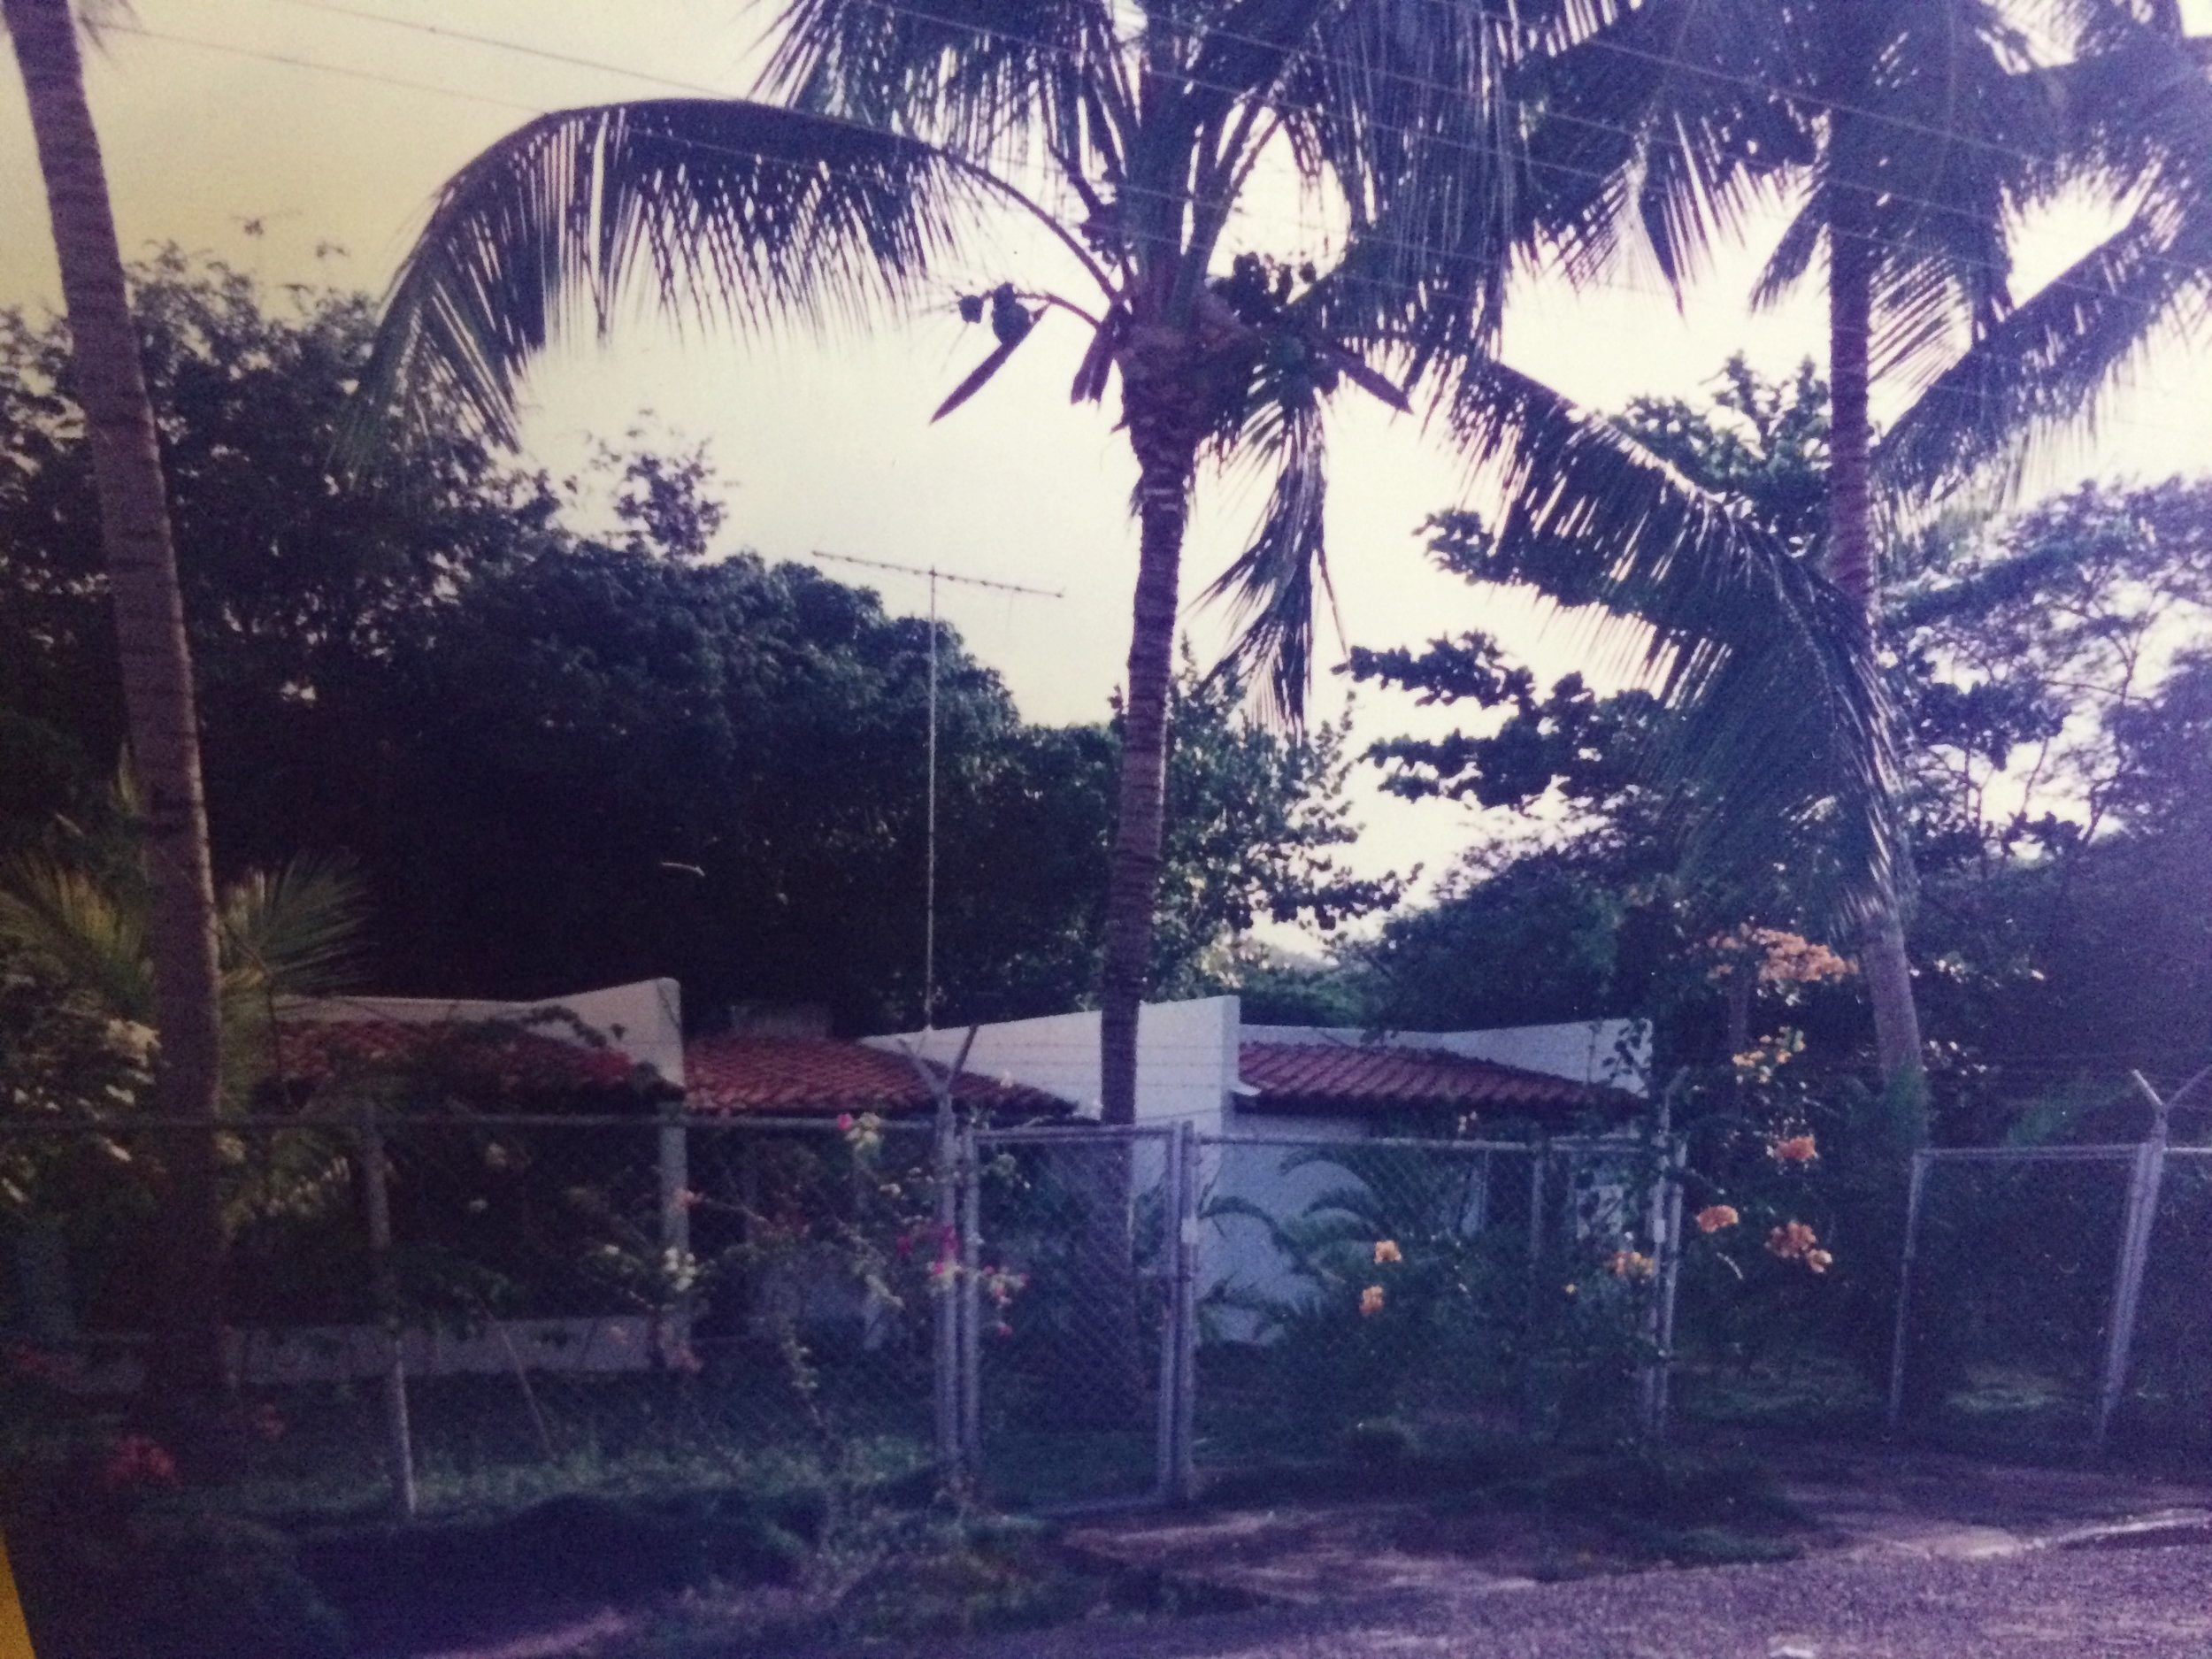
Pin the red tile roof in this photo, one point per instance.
(1323, 1076)
(805, 1076)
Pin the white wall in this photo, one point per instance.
(643, 1020)
(1585, 1050)
(1186, 1057)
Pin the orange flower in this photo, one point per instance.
(1371, 1300)
(1793, 1149)
(1629, 1265)
(1386, 1252)
(1712, 1218)
(1794, 1241)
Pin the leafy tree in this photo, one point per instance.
(2046, 681)
(890, 138)
(140, 556)
(562, 760)
(1591, 889)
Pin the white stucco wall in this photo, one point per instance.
(643, 1020)
(1186, 1057)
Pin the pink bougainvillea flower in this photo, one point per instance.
(1386, 1252)
(139, 1460)
(1712, 1218)
(1371, 1300)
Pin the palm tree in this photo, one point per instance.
(81, 926)
(888, 136)
(141, 570)
(1914, 134)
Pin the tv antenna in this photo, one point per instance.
(929, 877)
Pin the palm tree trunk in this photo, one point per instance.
(156, 668)
(1852, 567)
(1163, 411)
(1105, 1386)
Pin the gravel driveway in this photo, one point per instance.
(2145, 1603)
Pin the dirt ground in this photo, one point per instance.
(1853, 1504)
(1903, 1557)
(2137, 1603)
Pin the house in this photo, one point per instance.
(1261, 1097)
(1266, 1099)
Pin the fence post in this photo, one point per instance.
(675, 1229)
(399, 1439)
(1166, 1417)
(2135, 1247)
(944, 1287)
(1183, 1483)
(1666, 1250)
(1538, 1170)
(1913, 1194)
(971, 1462)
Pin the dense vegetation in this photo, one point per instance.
(562, 744)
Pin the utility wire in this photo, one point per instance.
(1472, 148)
(1612, 284)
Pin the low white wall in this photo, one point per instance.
(347, 1353)
(1186, 1057)
(1237, 1253)
(643, 1020)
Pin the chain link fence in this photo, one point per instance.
(1374, 1298)
(2058, 1296)
(463, 1311)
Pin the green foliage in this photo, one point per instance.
(2043, 676)
(564, 755)
(104, 1576)
(1419, 1301)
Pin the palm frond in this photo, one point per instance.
(1270, 587)
(717, 210)
(82, 934)
(1667, 124)
(298, 932)
(983, 78)
(1781, 736)
(2041, 369)
(1412, 113)
(2139, 110)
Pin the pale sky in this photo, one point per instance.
(332, 125)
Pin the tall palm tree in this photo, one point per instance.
(1913, 135)
(888, 134)
(141, 569)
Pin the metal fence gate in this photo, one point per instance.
(1134, 1307)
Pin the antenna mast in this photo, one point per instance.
(929, 878)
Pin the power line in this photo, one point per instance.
(1561, 169)
(523, 49)
(1611, 285)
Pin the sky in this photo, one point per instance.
(305, 140)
